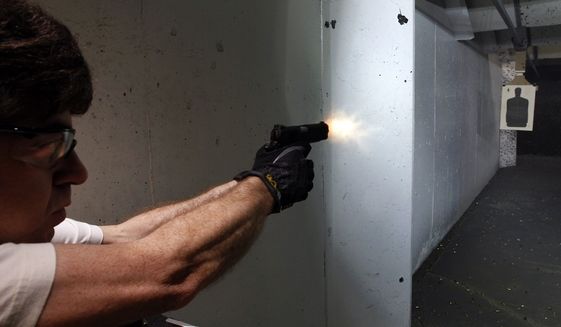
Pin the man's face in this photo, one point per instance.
(33, 198)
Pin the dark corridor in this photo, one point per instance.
(546, 137)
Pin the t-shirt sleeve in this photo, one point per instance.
(28, 272)
(71, 231)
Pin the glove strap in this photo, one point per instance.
(269, 182)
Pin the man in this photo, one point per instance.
(152, 263)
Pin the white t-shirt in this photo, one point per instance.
(27, 272)
(74, 232)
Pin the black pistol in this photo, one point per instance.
(286, 135)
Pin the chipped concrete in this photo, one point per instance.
(508, 138)
(507, 148)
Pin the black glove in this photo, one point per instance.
(285, 171)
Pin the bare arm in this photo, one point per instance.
(118, 283)
(140, 226)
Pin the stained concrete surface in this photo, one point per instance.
(501, 264)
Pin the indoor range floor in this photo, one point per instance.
(501, 264)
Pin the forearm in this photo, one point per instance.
(205, 242)
(249, 202)
(218, 259)
(143, 224)
(160, 272)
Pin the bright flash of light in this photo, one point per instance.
(347, 128)
(344, 128)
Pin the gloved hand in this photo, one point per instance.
(285, 171)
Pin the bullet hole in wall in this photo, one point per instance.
(331, 24)
(402, 19)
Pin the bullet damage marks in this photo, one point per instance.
(331, 24)
(402, 19)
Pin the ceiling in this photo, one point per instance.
(535, 28)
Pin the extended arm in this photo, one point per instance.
(108, 285)
(141, 225)
(116, 283)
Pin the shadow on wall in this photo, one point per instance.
(267, 71)
(186, 92)
(225, 73)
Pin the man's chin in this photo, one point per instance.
(38, 236)
(49, 235)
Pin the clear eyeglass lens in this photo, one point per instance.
(45, 149)
(64, 146)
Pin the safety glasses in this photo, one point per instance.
(41, 147)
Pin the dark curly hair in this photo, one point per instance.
(42, 70)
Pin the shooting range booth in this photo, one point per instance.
(186, 91)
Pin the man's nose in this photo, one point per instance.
(70, 171)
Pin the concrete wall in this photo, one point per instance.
(185, 93)
(457, 105)
(368, 74)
